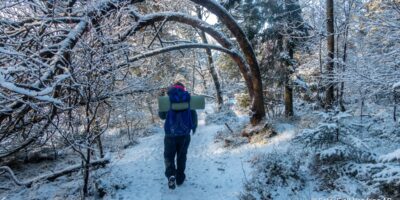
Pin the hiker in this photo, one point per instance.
(177, 127)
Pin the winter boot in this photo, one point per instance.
(180, 179)
(171, 182)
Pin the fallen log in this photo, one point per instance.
(52, 176)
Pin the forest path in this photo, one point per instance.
(213, 172)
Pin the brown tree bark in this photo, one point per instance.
(329, 93)
(86, 173)
(211, 67)
(223, 15)
(288, 101)
(288, 96)
(341, 103)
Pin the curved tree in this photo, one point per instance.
(148, 20)
(38, 73)
(257, 104)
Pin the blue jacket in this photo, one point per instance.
(177, 94)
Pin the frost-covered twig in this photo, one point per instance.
(147, 20)
(178, 47)
(13, 177)
(51, 176)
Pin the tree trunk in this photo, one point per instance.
(288, 96)
(288, 100)
(329, 95)
(346, 34)
(341, 104)
(321, 87)
(196, 23)
(86, 171)
(100, 146)
(86, 159)
(257, 107)
(211, 67)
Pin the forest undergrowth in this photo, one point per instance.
(333, 155)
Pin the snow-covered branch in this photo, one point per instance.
(146, 20)
(54, 175)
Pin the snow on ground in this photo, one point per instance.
(213, 172)
(218, 173)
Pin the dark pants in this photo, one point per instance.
(176, 146)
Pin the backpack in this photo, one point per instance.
(178, 122)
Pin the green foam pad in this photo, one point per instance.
(196, 102)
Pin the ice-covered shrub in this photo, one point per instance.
(234, 141)
(225, 115)
(343, 155)
(275, 174)
(328, 164)
(388, 179)
(230, 135)
(106, 185)
(335, 145)
(344, 152)
(259, 132)
(242, 133)
(383, 179)
(243, 100)
(325, 134)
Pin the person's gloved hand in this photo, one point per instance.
(193, 131)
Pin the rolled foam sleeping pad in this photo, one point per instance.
(196, 102)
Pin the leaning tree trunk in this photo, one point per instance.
(211, 67)
(257, 105)
(254, 86)
(329, 95)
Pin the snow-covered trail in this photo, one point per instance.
(213, 172)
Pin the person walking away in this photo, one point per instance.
(177, 127)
